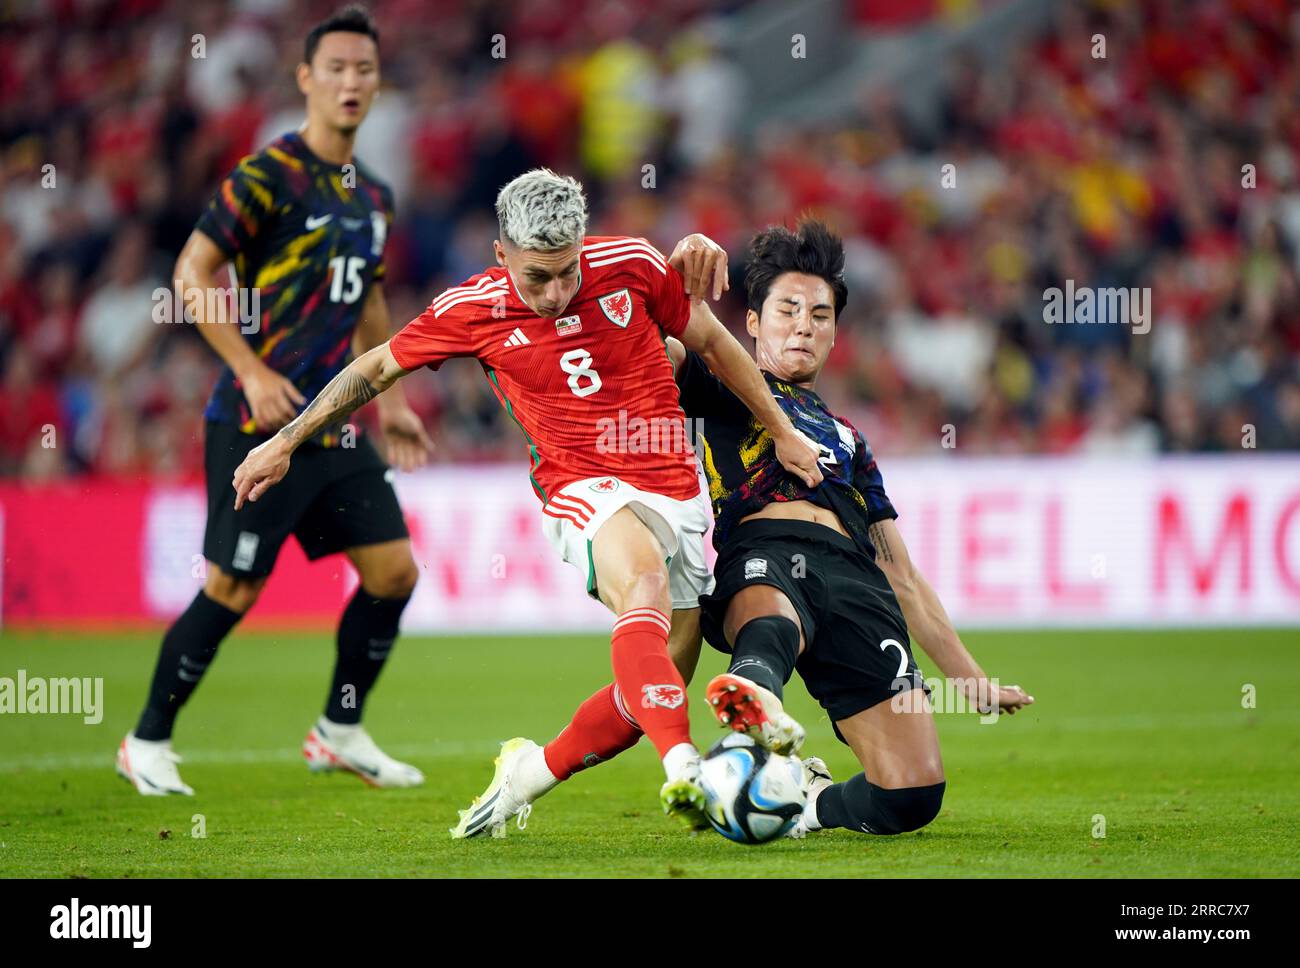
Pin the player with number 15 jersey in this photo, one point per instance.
(303, 224)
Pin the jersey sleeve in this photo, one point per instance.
(666, 298)
(241, 206)
(871, 485)
(435, 336)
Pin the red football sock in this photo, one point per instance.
(647, 678)
(599, 731)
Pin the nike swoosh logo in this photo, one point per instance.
(316, 221)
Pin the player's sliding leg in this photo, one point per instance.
(367, 630)
(898, 747)
(764, 630)
(145, 756)
(601, 728)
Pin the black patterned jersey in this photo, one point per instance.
(740, 462)
(307, 238)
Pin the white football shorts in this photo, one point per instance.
(573, 515)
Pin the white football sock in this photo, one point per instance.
(535, 778)
(152, 743)
(679, 758)
(337, 731)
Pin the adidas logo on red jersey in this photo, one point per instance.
(517, 338)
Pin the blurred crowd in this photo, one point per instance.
(1172, 163)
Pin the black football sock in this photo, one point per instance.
(765, 652)
(858, 804)
(366, 633)
(187, 650)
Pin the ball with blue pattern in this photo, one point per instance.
(752, 796)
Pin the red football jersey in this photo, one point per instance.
(592, 389)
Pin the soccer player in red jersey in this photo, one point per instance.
(569, 330)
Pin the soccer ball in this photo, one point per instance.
(751, 796)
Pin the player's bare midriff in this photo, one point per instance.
(799, 511)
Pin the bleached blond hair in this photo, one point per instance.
(543, 211)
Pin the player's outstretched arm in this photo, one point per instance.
(358, 383)
(729, 362)
(929, 624)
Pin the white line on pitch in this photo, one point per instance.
(94, 761)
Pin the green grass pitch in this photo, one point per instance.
(1146, 729)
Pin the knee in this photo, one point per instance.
(773, 631)
(907, 809)
(394, 579)
(236, 594)
(647, 588)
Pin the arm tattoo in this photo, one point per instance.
(877, 535)
(343, 394)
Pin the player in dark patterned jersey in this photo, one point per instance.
(303, 225)
(818, 578)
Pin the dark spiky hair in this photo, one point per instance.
(353, 19)
(812, 248)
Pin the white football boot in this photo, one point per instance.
(746, 707)
(816, 778)
(520, 777)
(150, 766)
(334, 746)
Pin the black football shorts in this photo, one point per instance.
(333, 498)
(856, 651)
